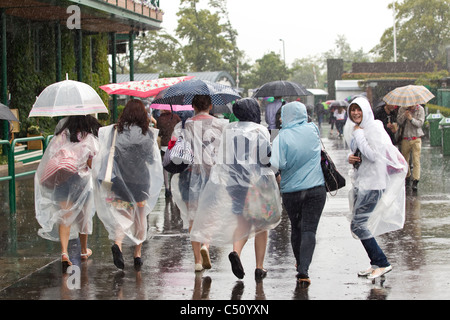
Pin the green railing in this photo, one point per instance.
(12, 176)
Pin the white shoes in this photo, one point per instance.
(205, 256)
(198, 267)
(206, 261)
(365, 273)
(372, 273)
(378, 272)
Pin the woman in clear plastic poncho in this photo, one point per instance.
(136, 177)
(377, 201)
(241, 198)
(204, 133)
(64, 205)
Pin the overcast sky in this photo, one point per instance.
(308, 27)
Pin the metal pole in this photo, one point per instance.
(395, 32)
(4, 90)
(114, 73)
(284, 53)
(4, 87)
(131, 47)
(12, 182)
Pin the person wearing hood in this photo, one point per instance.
(296, 153)
(377, 200)
(241, 199)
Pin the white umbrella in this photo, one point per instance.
(67, 98)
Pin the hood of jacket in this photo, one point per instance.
(247, 109)
(367, 112)
(293, 113)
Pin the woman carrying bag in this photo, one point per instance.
(128, 178)
(241, 199)
(377, 200)
(203, 133)
(296, 153)
(63, 187)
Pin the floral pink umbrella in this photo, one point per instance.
(144, 88)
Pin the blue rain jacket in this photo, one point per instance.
(296, 150)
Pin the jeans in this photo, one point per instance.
(304, 209)
(364, 205)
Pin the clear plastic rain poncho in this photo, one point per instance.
(377, 200)
(204, 133)
(136, 180)
(69, 199)
(241, 198)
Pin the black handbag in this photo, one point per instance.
(333, 179)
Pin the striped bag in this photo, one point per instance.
(59, 168)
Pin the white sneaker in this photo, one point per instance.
(365, 273)
(378, 272)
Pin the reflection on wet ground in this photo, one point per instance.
(30, 268)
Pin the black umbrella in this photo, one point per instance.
(6, 114)
(339, 103)
(281, 89)
(182, 93)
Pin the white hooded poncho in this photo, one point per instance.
(382, 168)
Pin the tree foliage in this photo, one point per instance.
(423, 31)
(206, 38)
(269, 68)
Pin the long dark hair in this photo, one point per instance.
(134, 114)
(80, 124)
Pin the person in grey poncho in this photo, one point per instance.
(136, 180)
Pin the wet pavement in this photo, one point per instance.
(420, 253)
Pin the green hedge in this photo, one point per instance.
(432, 108)
(25, 83)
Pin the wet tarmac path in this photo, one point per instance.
(420, 253)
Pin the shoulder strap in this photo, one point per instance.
(111, 157)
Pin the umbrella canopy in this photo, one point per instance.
(182, 93)
(339, 103)
(6, 114)
(144, 88)
(410, 95)
(281, 89)
(67, 98)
